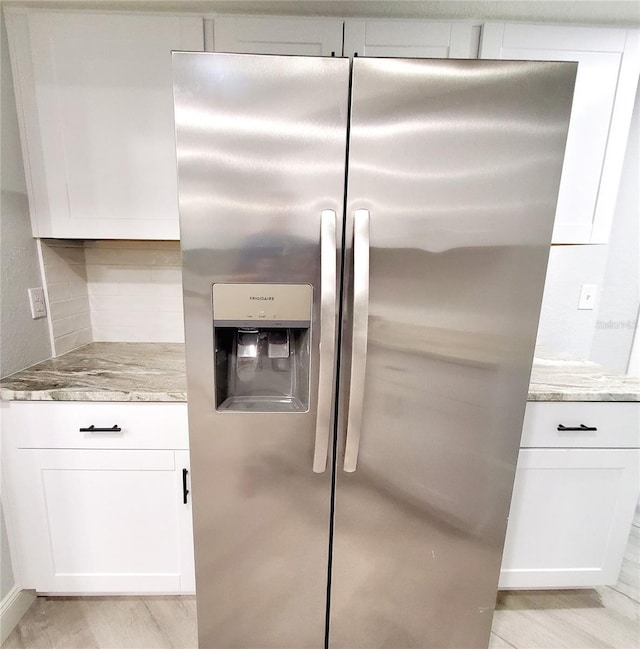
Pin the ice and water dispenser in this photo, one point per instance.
(262, 336)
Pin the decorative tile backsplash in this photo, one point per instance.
(135, 291)
(66, 279)
(113, 291)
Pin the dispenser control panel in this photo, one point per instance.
(267, 305)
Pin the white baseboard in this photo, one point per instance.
(14, 605)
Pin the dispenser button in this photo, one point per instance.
(262, 314)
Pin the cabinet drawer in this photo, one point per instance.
(57, 425)
(616, 424)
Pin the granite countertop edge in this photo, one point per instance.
(181, 397)
(583, 396)
(91, 395)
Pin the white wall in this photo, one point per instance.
(6, 571)
(620, 295)
(563, 328)
(598, 12)
(24, 341)
(604, 334)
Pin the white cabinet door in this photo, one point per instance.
(185, 524)
(96, 111)
(411, 38)
(277, 35)
(111, 521)
(570, 517)
(608, 65)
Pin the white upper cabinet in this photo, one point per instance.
(95, 104)
(411, 38)
(324, 37)
(608, 67)
(277, 35)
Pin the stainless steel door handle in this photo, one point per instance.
(328, 251)
(359, 343)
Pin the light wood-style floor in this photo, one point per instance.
(598, 618)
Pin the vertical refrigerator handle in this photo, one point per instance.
(328, 251)
(359, 343)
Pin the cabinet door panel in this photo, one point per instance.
(570, 517)
(603, 102)
(593, 99)
(411, 38)
(185, 524)
(113, 521)
(270, 35)
(99, 118)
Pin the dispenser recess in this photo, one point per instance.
(261, 336)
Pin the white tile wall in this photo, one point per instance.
(135, 290)
(66, 279)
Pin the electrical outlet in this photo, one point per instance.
(36, 302)
(587, 296)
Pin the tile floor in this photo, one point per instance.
(598, 618)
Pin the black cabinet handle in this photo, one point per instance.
(93, 429)
(580, 428)
(185, 491)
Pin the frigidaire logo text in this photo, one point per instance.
(262, 297)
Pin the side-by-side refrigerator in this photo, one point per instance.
(364, 250)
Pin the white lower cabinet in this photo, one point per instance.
(94, 518)
(108, 510)
(114, 520)
(572, 506)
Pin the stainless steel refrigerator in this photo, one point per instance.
(364, 251)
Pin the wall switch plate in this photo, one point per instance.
(37, 303)
(587, 296)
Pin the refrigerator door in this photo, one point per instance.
(454, 169)
(261, 143)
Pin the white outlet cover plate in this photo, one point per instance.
(587, 299)
(37, 303)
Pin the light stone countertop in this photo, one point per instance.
(104, 372)
(156, 372)
(558, 377)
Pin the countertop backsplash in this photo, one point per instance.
(135, 291)
(65, 275)
(131, 291)
(113, 291)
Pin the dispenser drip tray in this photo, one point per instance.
(263, 403)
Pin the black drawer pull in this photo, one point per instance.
(185, 491)
(93, 429)
(580, 428)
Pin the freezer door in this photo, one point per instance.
(261, 144)
(454, 169)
